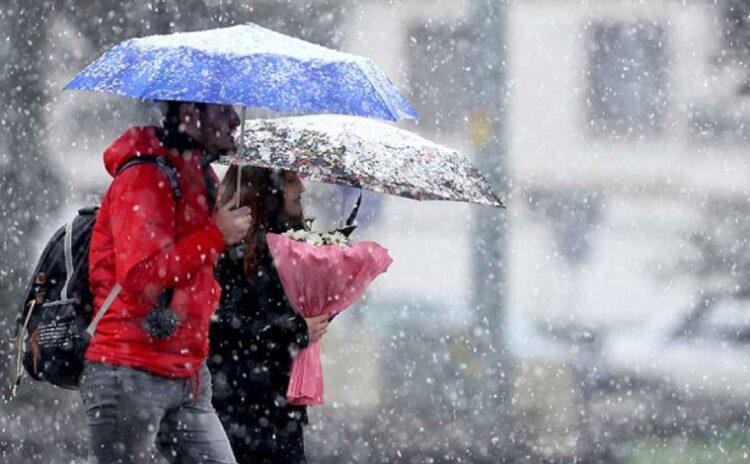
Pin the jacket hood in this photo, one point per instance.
(136, 141)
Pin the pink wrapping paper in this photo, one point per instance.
(321, 280)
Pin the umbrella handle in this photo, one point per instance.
(239, 163)
(349, 226)
(353, 214)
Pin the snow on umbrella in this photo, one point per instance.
(320, 278)
(246, 65)
(363, 153)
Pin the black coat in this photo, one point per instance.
(253, 339)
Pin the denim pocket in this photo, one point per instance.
(98, 382)
(142, 389)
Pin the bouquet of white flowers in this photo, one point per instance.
(322, 273)
(319, 238)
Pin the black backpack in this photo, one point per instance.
(54, 324)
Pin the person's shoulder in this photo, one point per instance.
(142, 177)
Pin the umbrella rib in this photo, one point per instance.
(379, 94)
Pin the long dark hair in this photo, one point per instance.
(261, 190)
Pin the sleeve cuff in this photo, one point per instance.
(216, 240)
(301, 337)
(208, 242)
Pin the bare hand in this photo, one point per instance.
(316, 327)
(233, 223)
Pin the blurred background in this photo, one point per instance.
(603, 317)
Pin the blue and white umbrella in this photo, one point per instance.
(246, 65)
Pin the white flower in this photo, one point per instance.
(314, 239)
(337, 238)
(317, 238)
(300, 235)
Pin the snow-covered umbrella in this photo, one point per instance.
(246, 65)
(364, 153)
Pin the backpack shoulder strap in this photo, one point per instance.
(107, 303)
(163, 164)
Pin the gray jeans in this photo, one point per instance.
(132, 416)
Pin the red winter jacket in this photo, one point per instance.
(143, 243)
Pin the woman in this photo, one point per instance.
(256, 333)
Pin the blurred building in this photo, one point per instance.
(628, 130)
(626, 135)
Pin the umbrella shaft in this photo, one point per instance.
(239, 166)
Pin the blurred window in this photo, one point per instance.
(719, 121)
(626, 69)
(729, 320)
(735, 24)
(723, 116)
(573, 217)
(439, 72)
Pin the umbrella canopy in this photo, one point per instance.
(363, 153)
(246, 65)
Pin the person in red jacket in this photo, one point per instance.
(142, 391)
